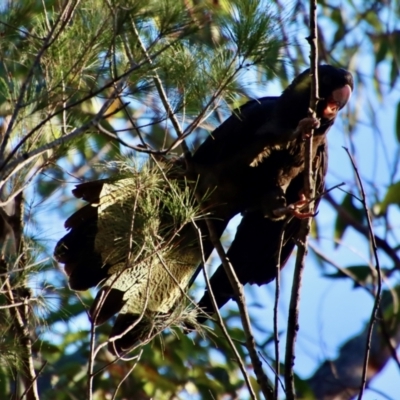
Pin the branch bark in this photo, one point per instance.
(349, 219)
(309, 188)
(18, 299)
(375, 309)
(262, 378)
(219, 317)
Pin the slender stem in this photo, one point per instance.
(359, 227)
(378, 295)
(90, 375)
(219, 317)
(161, 92)
(381, 317)
(309, 187)
(237, 287)
(276, 305)
(126, 376)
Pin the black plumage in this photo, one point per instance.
(252, 164)
(254, 249)
(259, 150)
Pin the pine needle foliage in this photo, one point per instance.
(144, 212)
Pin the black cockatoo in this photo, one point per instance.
(252, 164)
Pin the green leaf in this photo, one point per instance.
(4, 383)
(381, 42)
(303, 387)
(397, 127)
(390, 301)
(219, 373)
(392, 196)
(373, 19)
(361, 273)
(394, 73)
(341, 31)
(356, 213)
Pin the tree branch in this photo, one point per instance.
(237, 287)
(378, 295)
(309, 188)
(20, 314)
(219, 318)
(276, 305)
(349, 219)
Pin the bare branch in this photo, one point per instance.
(378, 295)
(219, 318)
(20, 317)
(309, 189)
(21, 162)
(349, 219)
(26, 391)
(161, 92)
(276, 305)
(237, 287)
(127, 375)
(383, 324)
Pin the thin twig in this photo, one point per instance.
(161, 92)
(126, 375)
(21, 303)
(272, 369)
(119, 140)
(22, 31)
(277, 290)
(21, 324)
(378, 295)
(359, 227)
(25, 159)
(309, 188)
(36, 377)
(220, 321)
(27, 181)
(237, 287)
(89, 393)
(381, 317)
(21, 315)
(182, 135)
(276, 304)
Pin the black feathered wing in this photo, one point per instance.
(140, 265)
(238, 133)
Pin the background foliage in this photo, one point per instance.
(84, 82)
